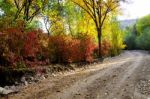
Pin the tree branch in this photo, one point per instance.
(84, 9)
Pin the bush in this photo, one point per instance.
(36, 48)
(12, 43)
(15, 40)
(21, 49)
(62, 49)
(17, 46)
(68, 49)
(105, 50)
(143, 41)
(87, 49)
(31, 46)
(106, 47)
(3, 49)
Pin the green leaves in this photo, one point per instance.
(139, 35)
(143, 23)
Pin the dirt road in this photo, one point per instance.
(123, 77)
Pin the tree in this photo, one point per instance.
(116, 38)
(27, 9)
(73, 14)
(143, 41)
(130, 37)
(143, 23)
(21, 11)
(30, 8)
(143, 33)
(98, 10)
(53, 17)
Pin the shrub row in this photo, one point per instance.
(19, 48)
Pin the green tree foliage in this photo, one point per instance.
(143, 41)
(138, 35)
(28, 9)
(130, 38)
(53, 16)
(7, 7)
(73, 15)
(143, 24)
(34, 25)
(24, 10)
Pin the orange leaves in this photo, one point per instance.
(68, 49)
(28, 48)
(87, 48)
(15, 40)
(106, 46)
(11, 46)
(18, 46)
(62, 49)
(31, 45)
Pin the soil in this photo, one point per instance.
(126, 76)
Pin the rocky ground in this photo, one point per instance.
(126, 76)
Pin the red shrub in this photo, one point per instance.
(13, 59)
(71, 51)
(17, 47)
(68, 49)
(57, 47)
(31, 46)
(15, 40)
(34, 52)
(87, 49)
(106, 47)
(11, 46)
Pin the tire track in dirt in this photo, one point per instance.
(79, 89)
(120, 86)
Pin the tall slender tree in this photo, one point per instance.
(99, 10)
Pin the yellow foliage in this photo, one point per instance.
(87, 27)
(116, 39)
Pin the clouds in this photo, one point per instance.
(135, 9)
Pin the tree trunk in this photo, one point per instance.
(99, 30)
(48, 32)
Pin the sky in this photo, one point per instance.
(135, 9)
